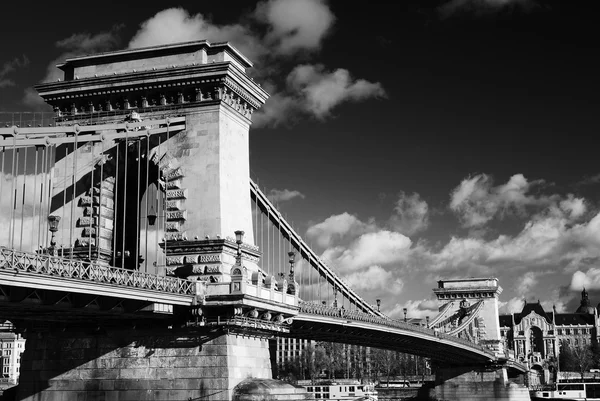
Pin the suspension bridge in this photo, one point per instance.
(137, 255)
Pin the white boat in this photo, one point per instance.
(342, 391)
(572, 391)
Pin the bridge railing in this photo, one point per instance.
(17, 261)
(324, 310)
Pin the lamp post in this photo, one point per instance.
(404, 310)
(239, 239)
(53, 227)
(292, 256)
(335, 304)
(151, 216)
(427, 319)
(378, 304)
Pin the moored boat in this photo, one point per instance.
(572, 391)
(333, 391)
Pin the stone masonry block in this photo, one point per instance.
(132, 373)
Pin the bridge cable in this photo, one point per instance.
(158, 203)
(92, 196)
(165, 198)
(147, 193)
(74, 180)
(23, 201)
(39, 223)
(13, 200)
(103, 160)
(116, 205)
(33, 200)
(126, 173)
(137, 207)
(50, 161)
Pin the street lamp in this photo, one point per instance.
(292, 256)
(404, 310)
(378, 304)
(53, 227)
(151, 216)
(239, 239)
(335, 304)
(427, 319)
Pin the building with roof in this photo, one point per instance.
(536, 336)
(12, 346)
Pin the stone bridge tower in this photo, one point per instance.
(193, 175)
(201, 174)
(476, 296)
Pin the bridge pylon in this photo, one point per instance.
(182, 183)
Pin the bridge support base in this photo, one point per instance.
(139, 365)
(476, 384)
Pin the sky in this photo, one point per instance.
(407, 141)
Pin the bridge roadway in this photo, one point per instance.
(42, 287)
(323, 323)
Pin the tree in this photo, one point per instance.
(315, 361)
(576, 358)
(385, 362)
(583, 358)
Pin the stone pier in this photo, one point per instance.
(123, 365)
(476, 383)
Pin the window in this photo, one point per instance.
(568, 332)
(5, 369)
(5, 361)
(560, 331)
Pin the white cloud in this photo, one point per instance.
(545, 240)
(589, 279)
(280, 110)
(312, 90)
(336, 228)
(291, 25)
(415, 309)
(375, 248)
(374, 278)
(284, 195)
(476, 201)
(295, 24)
(411, 214)
(527, 282)
(574, 207)
(271, 35)
(513, 305)
(550, 305)
(322, 90)
(9, 67)
(562, 236)
(178, 25)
